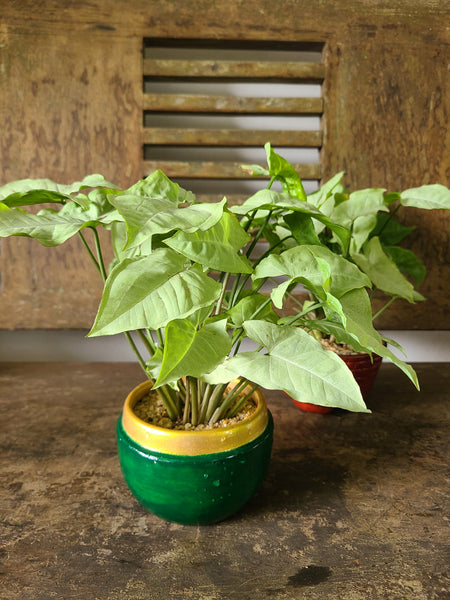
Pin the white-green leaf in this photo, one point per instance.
(434, 196)
(26, 192)
(407, 262)
(297, 364)
(150, 291)
(362, 228)
(217, 247)
(283, 171)
(382, 271)
(146, 217)
(325, 192)
(158, 185)
(49, 226)
(254, 306)
(358, 311)
(306, 264)
(192, 351)
(359, 204)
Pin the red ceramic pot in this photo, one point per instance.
(315, 408)
(364, 371)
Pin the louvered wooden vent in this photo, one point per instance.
(210, 107)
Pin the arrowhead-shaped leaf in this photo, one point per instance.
(358, 204)
(254, 306)
(358, 311)
(434, 196)
(295, 363)
(407, 262)
(49, 226)
(192, 351)
(150, 291)
(389, 230)
(382, 271)
(158, 185)
(283, 171)
(217, 247)
(146, 217)
(307, 265)
(27, 192)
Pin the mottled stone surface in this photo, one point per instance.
(354, 506)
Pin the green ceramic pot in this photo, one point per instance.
(193, 477)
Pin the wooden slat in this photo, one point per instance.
(217, 170)
(231, 104)
(231, 137)
(235, 69)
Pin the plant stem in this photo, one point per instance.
(304, 312)
(204, 401)
(222, 294)
(99, 254)
(136, 351)
(160, 338)
(237, 407)
(390, 217)
(214, 400)
(259, 234)
(89, 251)
(194, 401)
(165, 393)
(271, 249)
(187, 402)
(222, 409)
(383, 308)
(148, 342)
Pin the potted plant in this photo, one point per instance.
(325, 231)
(185, 289)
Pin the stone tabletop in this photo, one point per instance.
(354, 506)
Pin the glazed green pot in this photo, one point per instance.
(193, 477)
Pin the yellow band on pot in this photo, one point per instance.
(191, 443)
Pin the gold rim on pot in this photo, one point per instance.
(191, 442)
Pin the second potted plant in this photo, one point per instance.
(318, 237)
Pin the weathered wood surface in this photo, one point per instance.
(316, 20)
(354, 506)
(72, 103)
(230, 137)
(223, 170)
(231, 104)
(68, 107)
(235, 69)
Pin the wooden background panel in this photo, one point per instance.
(317, 20)
(71, 106)
(71, 103)
(387, 109)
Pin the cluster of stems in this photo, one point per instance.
(194, 401)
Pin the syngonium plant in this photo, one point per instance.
(326, 232)
(186, 286)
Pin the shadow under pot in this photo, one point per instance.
(194, 477)
(364, 369)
